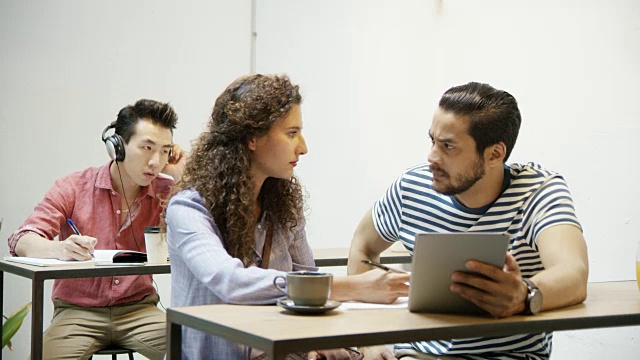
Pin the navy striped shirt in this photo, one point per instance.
(532, 200)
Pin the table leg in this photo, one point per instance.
(37, 304)
(277, 354)
(174, 341)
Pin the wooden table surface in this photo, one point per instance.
(278, 332)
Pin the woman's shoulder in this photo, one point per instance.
(189, 195)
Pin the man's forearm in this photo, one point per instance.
(562, 286)
(33, 245)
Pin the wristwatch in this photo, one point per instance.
(533, 302)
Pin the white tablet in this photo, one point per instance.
(437, 255)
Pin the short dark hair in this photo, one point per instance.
(493, 114)
(159, 113)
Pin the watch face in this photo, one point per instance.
(535, 301)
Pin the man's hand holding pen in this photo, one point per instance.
(77, 247)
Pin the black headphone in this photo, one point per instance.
(114, 144)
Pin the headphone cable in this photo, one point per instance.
(134, 235)
(124, 194)
(155, 284)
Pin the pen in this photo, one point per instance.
(75, 230)
(73, 227)
(383, 267)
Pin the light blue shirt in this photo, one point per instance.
(202, 272)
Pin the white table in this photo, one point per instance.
(38, 275)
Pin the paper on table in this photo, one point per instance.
(400, 303)
(44, 262)
(104, 255)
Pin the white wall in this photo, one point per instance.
(66, 69)
(372, 72)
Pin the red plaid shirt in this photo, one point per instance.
(87, 197)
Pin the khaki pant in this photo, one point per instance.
(409, 354)
(78, 332)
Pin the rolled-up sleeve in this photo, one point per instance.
(47, 215)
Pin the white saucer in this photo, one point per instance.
(328, 306)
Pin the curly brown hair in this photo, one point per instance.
(219, 166)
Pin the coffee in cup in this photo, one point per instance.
(306, 288)
(156, 245)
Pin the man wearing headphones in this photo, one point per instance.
(110, 206)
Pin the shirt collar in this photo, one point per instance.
(506, 181)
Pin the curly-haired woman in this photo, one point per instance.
(238, 189)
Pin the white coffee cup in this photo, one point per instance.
(156, 245)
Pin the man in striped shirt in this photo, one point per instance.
(466, 186)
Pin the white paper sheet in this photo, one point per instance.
(400, 303)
